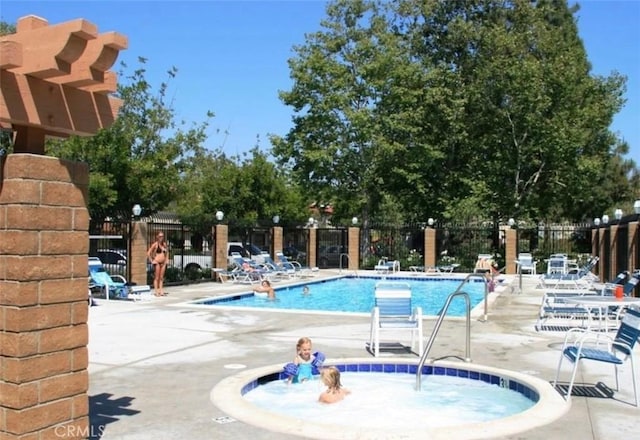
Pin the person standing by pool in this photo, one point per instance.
(304, 364)
(157, 256)
(330, 376)
(265, 287)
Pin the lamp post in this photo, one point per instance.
(511, 222)
(276, 219)
(354, 221)
(219, 215)
(618, 214)
(636, 207)
(136, 210)
(605, 219)
(596, 222)
(431, 221)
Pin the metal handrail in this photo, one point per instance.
(443, 312)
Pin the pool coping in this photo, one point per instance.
(227, 396)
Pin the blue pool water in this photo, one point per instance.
(355, 295)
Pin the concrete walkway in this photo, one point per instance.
(153, 364)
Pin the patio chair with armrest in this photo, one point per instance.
(393, 311)
(580, 344)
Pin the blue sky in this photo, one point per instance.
(232, 56)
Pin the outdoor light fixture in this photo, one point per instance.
(511, 222)
(354, 221)
(430, 221)
(136, 210)
(605, 219)
(276, 219)
(636, 206)
(219, 215)
(618, 214)
(596, 221)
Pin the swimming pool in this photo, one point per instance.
(532, 402)
(354, 295)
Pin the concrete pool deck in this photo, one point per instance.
(152, 365)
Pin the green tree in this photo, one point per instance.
(246, 191)
(7, 28)
(478, 109)
(141, 157)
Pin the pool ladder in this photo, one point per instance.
(343, 255)
(443, 312)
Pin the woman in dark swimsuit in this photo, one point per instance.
(157, 255)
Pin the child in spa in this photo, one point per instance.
(330, 376)
(305, 364)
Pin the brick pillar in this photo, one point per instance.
(222, 241)
(511, 250)
(430, 257)
(633, 246)
(595, 247)
(602, 245)
(276, 241)
(613, 255)
(311, 247)
(354, 248)
(138, 254)
(44, 242)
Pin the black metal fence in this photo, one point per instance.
(191, 246)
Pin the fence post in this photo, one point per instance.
(137, 258)
(276, 240)
(595, 249)
(511, 250)
(633, 251)
(311, 247)
(354, 248)
(603, 253)
(430, 257)
(221, 234)
(613, 254)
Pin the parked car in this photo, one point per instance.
(250, 251)
(294, 253)
(113, 260)
(330, 256)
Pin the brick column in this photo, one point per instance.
(138, 254)
(354, 248)
(311, 247)
(602, 245)
(613, 253)
(44, 242)
(632, 252)
(222, 241)
(595, 247)
(430, 257)
(511, 250)
(276, 241)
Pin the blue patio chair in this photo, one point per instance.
(115, 286)
(245, 271)
(594, 346)
(281, 270)
(302, 271)
(393, 311)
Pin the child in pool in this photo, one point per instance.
(330, 376)
(304, 364)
